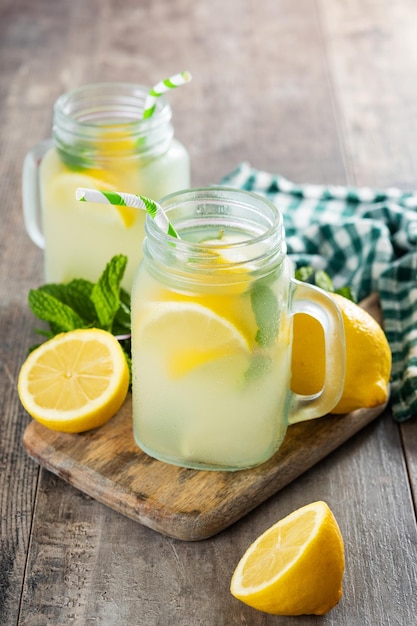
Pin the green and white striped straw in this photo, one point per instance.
(117, 198)
(177, 80)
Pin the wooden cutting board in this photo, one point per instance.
(186, 504)
(183, 503)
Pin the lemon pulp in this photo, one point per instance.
(75, 381)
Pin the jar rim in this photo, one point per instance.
(78, 104)
(256, 217)
(92, 118)
(229, 195)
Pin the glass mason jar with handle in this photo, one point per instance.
(101, 141)
(212, 334)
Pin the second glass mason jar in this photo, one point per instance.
(212, 332)
(101, 141)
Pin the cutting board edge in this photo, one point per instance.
(188, 526)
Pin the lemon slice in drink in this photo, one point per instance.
(295, 567)
(61, 192)
(187, 335)
(233, 248)
(76, 381)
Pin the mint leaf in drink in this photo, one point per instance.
(76, 160)
(105, 294)
(265, 309)
(259, 365)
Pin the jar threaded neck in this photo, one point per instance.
(223, 232)
(99, 120)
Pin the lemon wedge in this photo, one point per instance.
(76, 381)
(295, 567)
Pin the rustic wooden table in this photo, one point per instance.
(321, 92)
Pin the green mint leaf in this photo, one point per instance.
(105, 294)
(56, 290)
(265, 309)
(347, 292)
(47, 308)
(320, 278)
(259, 365)
(75, 294)
(78, 294)
(305, 274)
(32, 348)
(45, 333)
(76, 162)
(82, 304)
(323, 280)
(122, 321)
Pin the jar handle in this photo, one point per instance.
(31, 193)
(313, 301)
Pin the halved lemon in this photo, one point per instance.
(76, 381)
(295, 567)
(186, 335)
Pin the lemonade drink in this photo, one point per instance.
(212, 333)
(101, 142)
(208, 393)
(206, 389)
(81, 238)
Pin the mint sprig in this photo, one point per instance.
(76, 158)
(83, 304)
(266, 312)
(320, 278)
(265, 309)
(259, 365)
(105, 294)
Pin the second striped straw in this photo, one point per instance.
(117, 198)
(177, 80)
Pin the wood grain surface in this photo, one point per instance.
(320, 92)
(182, 503)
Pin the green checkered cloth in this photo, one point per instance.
(364, 238)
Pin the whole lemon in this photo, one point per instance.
(368, 358)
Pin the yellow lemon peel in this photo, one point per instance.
(295, 567)
(76, 381)
(368, 358)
